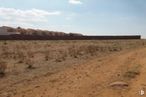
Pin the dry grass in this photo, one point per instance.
(132, 72)
(30, 64)
(46, 53)
(31, 61)
(3, 67)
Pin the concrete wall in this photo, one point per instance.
(37, 37)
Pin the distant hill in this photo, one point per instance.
(5, 30)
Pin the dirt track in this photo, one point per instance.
(90, 79)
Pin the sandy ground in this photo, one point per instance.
(89, 78)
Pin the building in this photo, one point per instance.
(4, 31)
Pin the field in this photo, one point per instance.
(72, 68)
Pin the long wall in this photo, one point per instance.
(35, 37)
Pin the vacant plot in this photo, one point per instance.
(77, 68)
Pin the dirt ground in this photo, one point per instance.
(72, 68)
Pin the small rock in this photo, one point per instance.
(119, 84)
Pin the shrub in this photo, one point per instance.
(29, 64)
(58, 60)
(3, 67)
(132, 72)
(46, 58)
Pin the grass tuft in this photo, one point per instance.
(132, 72)
(3, 67)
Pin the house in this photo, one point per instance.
(4, 30)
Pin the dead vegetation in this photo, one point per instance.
(132, 72)
(46, 52)
(28, 62)
(3, 67)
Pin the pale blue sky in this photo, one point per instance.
(91, 17)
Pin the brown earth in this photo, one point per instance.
(73, 69)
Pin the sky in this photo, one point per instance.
(89, 17)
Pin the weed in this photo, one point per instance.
(132, 72)
(5, 43)
(20, 61)
(46, 58)
(58, 60)
(3, 67)
(29, 64)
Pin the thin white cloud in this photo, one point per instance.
(11, 15)
(75, 2)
